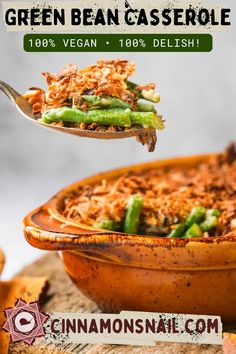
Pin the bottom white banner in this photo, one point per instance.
(133, 328)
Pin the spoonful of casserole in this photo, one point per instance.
(96, 102)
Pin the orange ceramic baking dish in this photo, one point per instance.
(133, 272)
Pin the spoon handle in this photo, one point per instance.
(9, 91)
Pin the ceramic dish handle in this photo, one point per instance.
(43, 231)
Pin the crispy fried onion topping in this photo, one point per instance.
(106, 77)
(169, 194)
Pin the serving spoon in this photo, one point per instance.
(146, 136)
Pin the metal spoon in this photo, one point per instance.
(144, 136)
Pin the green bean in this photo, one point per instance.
(197, 215)
(147, 120)
(213, 212)
(193, 231)
(149, 95)
(132, 217)
(198, 221)
(177, 232)
(119, 117)
(105, 102)
(132, 86)
(103, 117)
(107, 224)
(145, 107)
(113, 102)
(209, 224)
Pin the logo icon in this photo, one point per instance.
(25, 322)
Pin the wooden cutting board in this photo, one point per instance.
(63, 296)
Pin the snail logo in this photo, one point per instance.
(25, 322)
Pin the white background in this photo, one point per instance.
(197, 99)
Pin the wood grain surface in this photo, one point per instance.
(63, 296)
